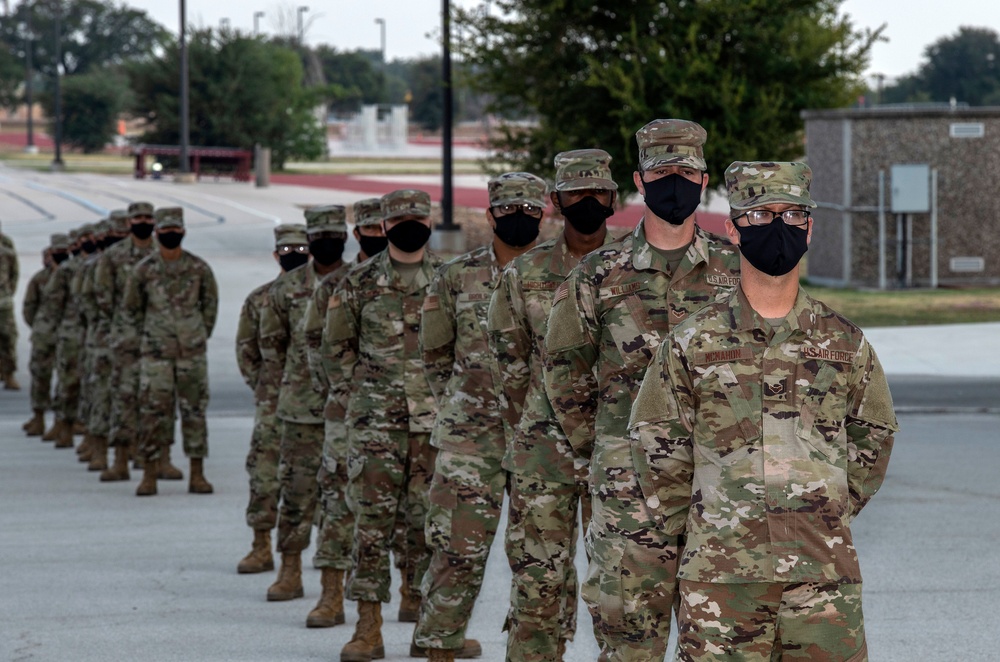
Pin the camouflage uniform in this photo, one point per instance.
(9, 274)
(780, 431)
(110, 278)
(169, 310)
(42, 341)
(300, 399)
(609, 318)
(95, 404)
(548, 478)
(370, 349)
(467, 491)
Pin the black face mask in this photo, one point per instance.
(88, 247)
(74, 251)
(112, 240)
(326, 250)
(673, 198)
(292, 260)
(588, 215)
(517, 229)
(169, 240)
(142, 230)
(408, 236)
(774, 248)
(372, 245)
(59, 258)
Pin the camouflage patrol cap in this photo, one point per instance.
(759, 183)
(169, 217)
(517, 187)
(87, 228)
(119, 221)
(327, 218)
(74, 235)
(406, 202)
(60, 242)
(583, 169)
(671, 142)
(102, 227)
(290, 234)
(140, 209)
(368, 212)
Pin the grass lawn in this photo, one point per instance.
(912, 307)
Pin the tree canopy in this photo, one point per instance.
(592, 74)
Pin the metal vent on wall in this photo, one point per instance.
(968, 265)
(967, 130)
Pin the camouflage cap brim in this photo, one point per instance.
(759, 183)
(665, 158)
(586, 184)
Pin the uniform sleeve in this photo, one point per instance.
(32, 301)
(104, 285)
(510, 343)
(133, 316)
(313, 323)
(871, 427)
(660, 438)
(53, 301)
(209, 300)
(274, 333)
(437, 335)
(571, 352)
(248, 357)
(339, 346)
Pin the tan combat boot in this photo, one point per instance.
(79, 428)
(98, 454)
(441, 655)
(198, 484)
(259, 559)
(118, 470)
(409, 603)
(329, 611)
(83, 450)
(167, 470)
(65, 437)
(288, 586)
(53, 431)
(147, 486)
(35, 426)
(11, 384)
(471, 648)
(366, 644)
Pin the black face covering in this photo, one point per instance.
(89, 247)
(517, 229)
(292, 260)
(372, 245)
(774, 248)
(169, 240)
(408, 236)
(74, 251)
(588, 215)
(326, 250)
(59, 258)
(112, 239)
(673, 198)
(142, 230)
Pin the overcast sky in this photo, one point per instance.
(350, 24)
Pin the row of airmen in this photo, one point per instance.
(121, 318)
(403, 397)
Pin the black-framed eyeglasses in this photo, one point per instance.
(526, 207)
(793, 217)
(302, 249)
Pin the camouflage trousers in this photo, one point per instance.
(631, 583)
(41, 365)
(8, 338)
(541, 546)
(763, 622)
(466, 496)
(68, 370)
(262, 467)
(301, 454)
(336, 524)
(383, 466)
(95, 408)
(166, 386)
(125, 401)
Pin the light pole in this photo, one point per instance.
(29, 85)
(223, 24)
(257, 15)
(447, 221)
(184, 168)
(57, 162)
(381, 23)
(298, 14)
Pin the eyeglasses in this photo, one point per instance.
(528, 208)
(793, 217)
(302, 249)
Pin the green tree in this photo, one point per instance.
(591, 74)
(11, 77)
(358, 73)
(243, 91)
(965, 66)
(91, 105)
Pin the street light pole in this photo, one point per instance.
(57, 162)
(185, 167)
(447, 197)
(381, 23)
(223, 24)
(299, 11)
(257, 15)
(29, 84)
